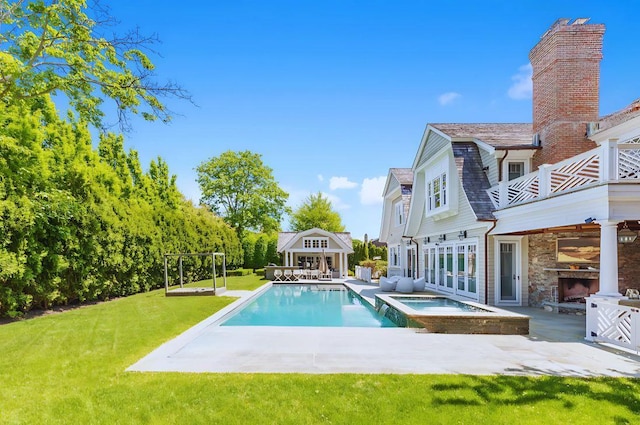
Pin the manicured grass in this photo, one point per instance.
(69, 368)
(248, 283)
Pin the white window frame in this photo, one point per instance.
(394, 256)
(398, 213)
(440, 170)
(315, 242)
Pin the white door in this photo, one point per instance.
(508, 288)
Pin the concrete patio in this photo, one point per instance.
(555, 346)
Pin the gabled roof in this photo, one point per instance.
(286, 239)
(403, 175)
(474, 180)
(498, 135)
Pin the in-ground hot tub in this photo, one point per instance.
(442, 314)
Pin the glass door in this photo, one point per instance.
(508, 272)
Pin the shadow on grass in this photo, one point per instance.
(508, 390)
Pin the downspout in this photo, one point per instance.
(486, 260)
(417, 261)
(506, 152)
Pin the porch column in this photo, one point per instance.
(608, 259)
(345, 273)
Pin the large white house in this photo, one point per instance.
(530, 213)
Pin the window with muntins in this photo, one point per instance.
(398, 210)
(315, 243)
(516, 169)
(437, 192)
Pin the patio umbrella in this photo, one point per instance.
(322, 266)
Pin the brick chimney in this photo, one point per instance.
(566, 79)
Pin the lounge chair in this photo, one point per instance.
(387, 285)
(405, 285)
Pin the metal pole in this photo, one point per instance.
(213, 270)
(224, 270)
(180, 261)
(166, 276)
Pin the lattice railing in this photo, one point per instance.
(579, 171)
(494, 194)
(523, 189)
(628, 163)
(609, 162)
(616, 324)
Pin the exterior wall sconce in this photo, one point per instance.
(627, 235)
(442, 237)
(462, 235)
(427, 240)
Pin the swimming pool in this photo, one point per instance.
(308, 305)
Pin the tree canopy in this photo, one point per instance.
(79, 223)
(316, 211)
(60, 47)
(242, 189)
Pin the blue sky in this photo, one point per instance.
(334, 93)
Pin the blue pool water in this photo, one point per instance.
(438, 305)
(308, 305)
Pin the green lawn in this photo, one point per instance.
(69, 368)
(250, 282)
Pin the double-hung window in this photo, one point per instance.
(398, 213)
(394, 256)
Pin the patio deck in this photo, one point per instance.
(554, 347)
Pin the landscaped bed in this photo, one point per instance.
(69, 368)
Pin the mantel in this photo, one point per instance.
(572, 270)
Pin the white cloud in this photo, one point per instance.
(371, 192)
(522, 87)
(320, 177)
(448, 98)
(336, 202)
(341, 183)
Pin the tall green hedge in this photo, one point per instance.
(81, 224)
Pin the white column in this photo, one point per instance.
(608, 259)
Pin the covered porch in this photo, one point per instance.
(316, 250)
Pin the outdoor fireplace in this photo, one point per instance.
(576, 289)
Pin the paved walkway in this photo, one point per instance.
(555, 346)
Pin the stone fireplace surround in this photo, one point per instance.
(545, 271)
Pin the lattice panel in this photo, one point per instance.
(635, 140)
(615, 325)
(523, 189)
(629, 163)
(494, 194)
(582, 172)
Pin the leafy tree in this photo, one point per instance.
(56, 47)
(316, 211)
(239, 187)
(260, 252)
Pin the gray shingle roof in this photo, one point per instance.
(498, 135)
(474, 181)
(285, 237)
(403, 175)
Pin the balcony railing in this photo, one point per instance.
(612, 161)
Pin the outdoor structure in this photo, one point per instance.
(304, 250)
(194, 290)
(540, 214)
(396, 202)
